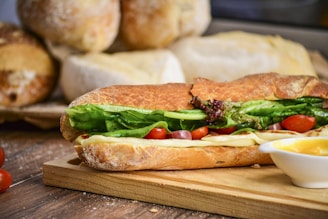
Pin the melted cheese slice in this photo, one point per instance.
(242, 140)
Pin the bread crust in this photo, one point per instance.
(126, 157)
(28, 73)
(123, 156)
(269, 86)
(86, 25)
(143, 22)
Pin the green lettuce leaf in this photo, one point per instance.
(260, 114)
(120, 121)
(127, 121)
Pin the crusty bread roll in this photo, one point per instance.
(83, 73)
(230, 55)
(128, 153)
(157, 23)
(268, 86)
(87, 25)
(27, 72)
(140, 157)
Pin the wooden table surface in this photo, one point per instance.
(27, 148)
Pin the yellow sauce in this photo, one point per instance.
(317, 147)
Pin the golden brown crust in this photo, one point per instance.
(124, 157)
(84, 25)
(171, 96)
(270, 86)
(143, 22)
(12, 34)
(27, 71)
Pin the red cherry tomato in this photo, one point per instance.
(181, 134)
(299, 123)
(226, 131)
(156, 133)
(5, 180)
(199, 133)
(2, 156)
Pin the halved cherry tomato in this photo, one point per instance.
(226, 131)
(299, 123)
(180, 134)
(199, 133)
(5, 180)
(156, 133)
(2, 156)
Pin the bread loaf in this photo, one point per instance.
(87, 25)
(157, 23)
(27, 72)
(230, 55)
(83, 73)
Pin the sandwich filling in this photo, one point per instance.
(252, 122)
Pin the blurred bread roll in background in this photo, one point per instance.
(83, 73)
(86, 25)
(157, 23)
(27, 71)
(227, 56)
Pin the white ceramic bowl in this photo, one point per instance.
(305, 170)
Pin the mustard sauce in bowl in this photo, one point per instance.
(303, 159)
(318, 147)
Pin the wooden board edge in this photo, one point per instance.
(77, 177)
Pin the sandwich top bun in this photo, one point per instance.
(83, 73)
(27, 72)
(177, 96)
(230, 55)
(86, 25)
(156, 24)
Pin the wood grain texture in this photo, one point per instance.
(239, 192)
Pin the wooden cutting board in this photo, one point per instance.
(245, 192)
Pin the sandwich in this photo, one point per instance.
(206, 124)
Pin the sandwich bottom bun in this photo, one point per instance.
(124, 157)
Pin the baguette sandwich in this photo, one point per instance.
(206, 124)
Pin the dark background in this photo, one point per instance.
(309, 13)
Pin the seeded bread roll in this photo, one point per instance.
(86, 25)
(157, 23)
(27, 71)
